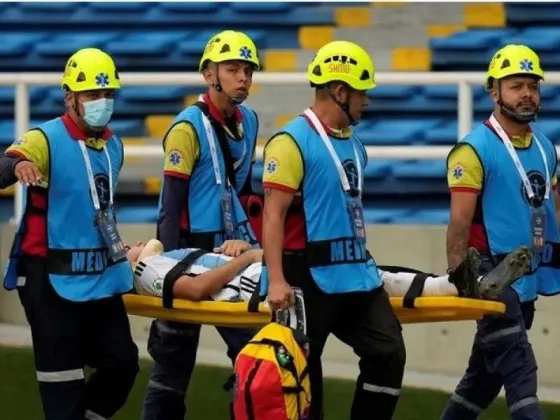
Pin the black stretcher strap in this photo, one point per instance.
(416, 288)
(173, 275)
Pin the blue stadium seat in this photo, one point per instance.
(543, 39)
(468, 50)
(119, 7)
(64, 45)
(394, 132)
(137, 214)
(377, 169)
(262, 7)
(15, 44)
(189, 7)
(8, 131)
(424, 217)
(523, 14)
(146, 44)
(154, 93)
(549, 127)
(45, 7)
(421, 169)
(384, 216)
(128, 128)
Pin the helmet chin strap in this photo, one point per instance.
(517, 117)
(511, 114)
(345, 106)
(234, 100)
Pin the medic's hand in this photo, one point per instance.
(233, 248)
(28, 173)
(280, 294)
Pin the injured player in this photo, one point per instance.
(232, 272)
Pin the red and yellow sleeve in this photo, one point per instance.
(32, 146)
(181, 151)
(464, 170)
(283, 164)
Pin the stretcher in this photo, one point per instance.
(236, 314)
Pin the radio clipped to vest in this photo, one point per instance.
(103, 219)
(355, 206)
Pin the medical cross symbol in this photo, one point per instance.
(102, 80)
(175, 158)
(526, 65)
(271, 167)
(458, 172)
(245, 52)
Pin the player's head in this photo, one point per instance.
(141, 250)
(343, 72)
(513, 80)
(228, 63)
(90, 80)
(133, 252)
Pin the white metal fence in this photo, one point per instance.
(465, 81)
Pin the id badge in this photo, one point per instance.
(538, 225)
(227, 213)
(357, 220)
(111, 237)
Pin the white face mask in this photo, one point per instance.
(98, 112)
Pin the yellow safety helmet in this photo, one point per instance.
(230, 45)
(90, 69)
(513, 59)
(342, 61)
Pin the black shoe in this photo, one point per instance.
(465, 276)
(515, 265)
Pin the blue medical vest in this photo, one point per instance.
(77, 260)
(506, 211)
(206, 224)
(338, 262)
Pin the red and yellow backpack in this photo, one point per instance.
(271, 380)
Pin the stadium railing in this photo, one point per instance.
(464, 80)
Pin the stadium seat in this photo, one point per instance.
(61, 45)
(395, 132)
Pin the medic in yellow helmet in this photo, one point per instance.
(68, 262)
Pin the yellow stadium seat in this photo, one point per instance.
(280, 60)
(282, 119)
(228, 314)
(314, 37)
(157, 125)
(487, 15)
(152, 185)
(353, 17)
(7, 192)
(411, 59)
(190, 99)
(442, 31)
(134, 141)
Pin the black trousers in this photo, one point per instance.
(67, 336)
(365, 322)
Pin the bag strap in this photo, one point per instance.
(222, 140)
(173, 275)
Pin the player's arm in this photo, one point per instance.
(282, 176)
(465, 180)
(206, 284)
(32, 149)
(181, 152)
